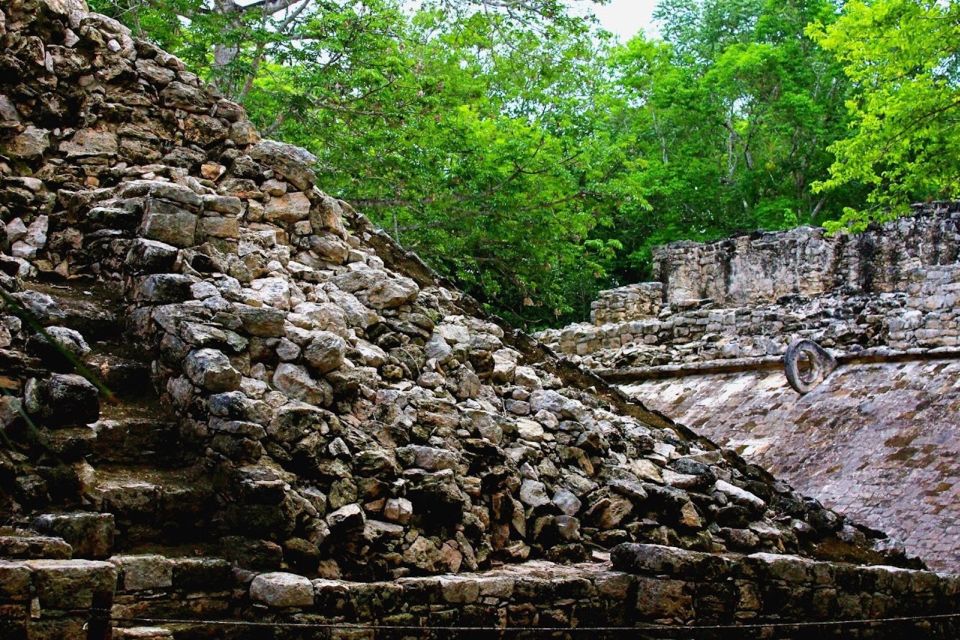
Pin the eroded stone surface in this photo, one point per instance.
(282, 590)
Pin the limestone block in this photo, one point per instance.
(28, 145)
(288, 208)
(211, 369)
(90, 534)
(177, 229)
(71, 584)
(281, 590)
(62, 400)
(144, 572)
(293, 163)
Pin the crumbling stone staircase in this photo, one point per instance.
(130, 464)
(124, 487)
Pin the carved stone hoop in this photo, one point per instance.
(806, 364)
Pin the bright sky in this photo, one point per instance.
(623, 17)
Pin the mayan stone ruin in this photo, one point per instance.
(875, 436)
(234, 408)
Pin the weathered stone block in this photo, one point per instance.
(282, 590)
(14, 581)
(293, 163)
(263, 322)
(30, 144)
(90, 534)
(288, 208)
(177, 229)
(72, 584)
(211, 369)
(62, 399)
(165, 288)
(217, 227)
(325, 352)
(143, 572)
(32, 546)
(90, 142)
(150, 256)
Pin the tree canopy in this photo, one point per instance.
(536, 160)
(903, 59)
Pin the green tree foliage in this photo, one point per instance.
(731, 114)
(903, 58)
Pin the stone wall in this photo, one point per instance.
(923, 315)
(763, 267)
(645, 586)
(627, 303)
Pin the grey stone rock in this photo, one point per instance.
(429, 458)
(144, 572)
(567, 502)
(71, 584)
(183, 96)
(62, 399)
(165, 288)
(392, 292)
(90, 142)
(211, 370)
(740, 496)
(150, 256)
(533, 493)
(325, 352)
(59, 343)
(293, 163)
(398, 510)
(164, 192)
(423, 554)
(158, 75)
(296, 382)
(330, 248)
(261, 321)
(89, 534)
(176, 228)
(346, 518)
(28, 145)
(282, 590)
(295, 420)
(288, 208)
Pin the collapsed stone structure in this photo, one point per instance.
(229, 397)
(877, 438)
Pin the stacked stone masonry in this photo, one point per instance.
(877, 439)
(644, 586)
(226, 393)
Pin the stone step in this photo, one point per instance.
(166, 585)
(151, 505)
(90, 535)
(126, 435)
(93, 309)
(125, 377)
(29, 545)
(140, 440)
